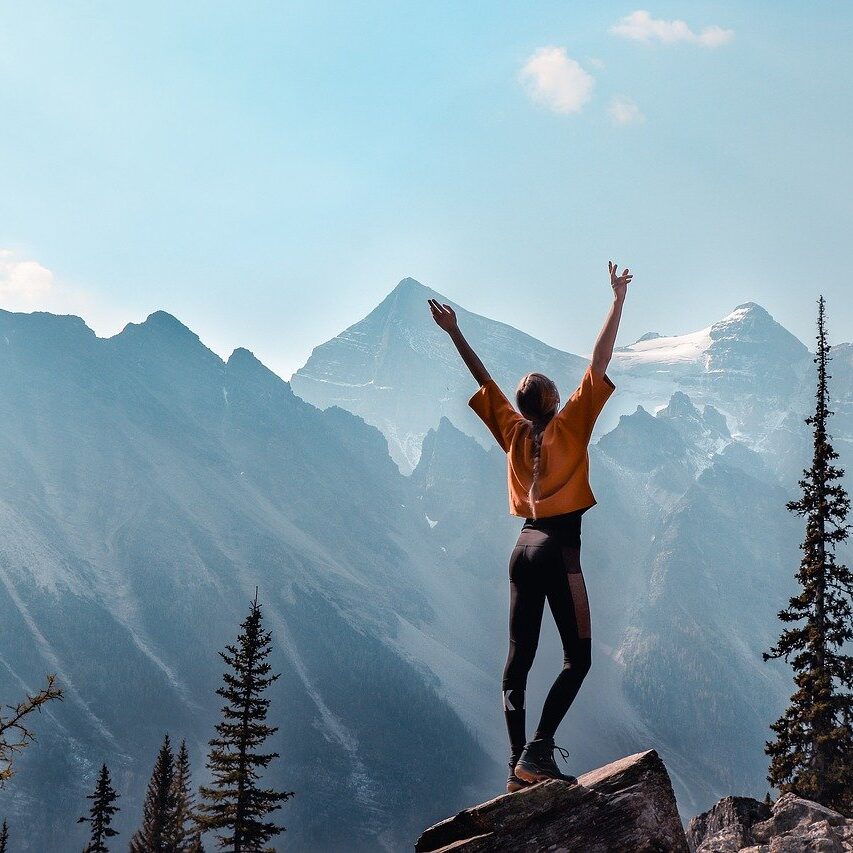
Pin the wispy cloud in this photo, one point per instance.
(623, 110)
(553, 79)
(641, 26)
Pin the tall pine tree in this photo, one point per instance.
(157, 833)
(234, 805)
(812, 755)
(186, 837)
(101, 813)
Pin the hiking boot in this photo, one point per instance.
(513, 783)
(537, 764)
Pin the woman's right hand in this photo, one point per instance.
(619, 283)
(444, 315)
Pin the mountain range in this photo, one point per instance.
(148, 486)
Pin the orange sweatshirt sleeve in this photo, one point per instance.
(498, 414)
(582, 409)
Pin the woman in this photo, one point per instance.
(548, 480)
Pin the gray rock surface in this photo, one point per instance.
(727, 826)
(628, 805)
(791, 825)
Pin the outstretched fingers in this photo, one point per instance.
(443, 314)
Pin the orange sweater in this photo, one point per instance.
(564, 457)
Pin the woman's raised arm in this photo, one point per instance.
(603, 350)
(445, 317)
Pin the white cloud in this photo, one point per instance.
(623, 110)
(23, 284)
(553, 79)
(641, 26)
(26, 285)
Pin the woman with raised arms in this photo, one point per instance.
(548, 481)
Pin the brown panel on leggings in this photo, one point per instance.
(572, 562)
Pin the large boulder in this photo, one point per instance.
(727, 826)
(791, 825)
(628, 805)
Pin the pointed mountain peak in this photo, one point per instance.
(679, 405)
(162, 336)
(161, 316)
(750, 308)
(642, 442)
(751, 326)
(159, 324)
(165, 320)
(410, 294)
(243, 365)
(408, 285)
(242, 357)
(746, 315)
(448, 432)
(693, 423)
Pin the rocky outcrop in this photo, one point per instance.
(727, 826)
(628, 805)
(790, 825)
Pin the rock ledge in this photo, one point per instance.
(626, 805)
(791, 825)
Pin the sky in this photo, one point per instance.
(267, 172)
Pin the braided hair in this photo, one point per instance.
(538, 400)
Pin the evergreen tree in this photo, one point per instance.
(4, 837)
(101, 813)
(157, 833)
(195, 845)
(185, 837)
(812, 754)
(234, 804)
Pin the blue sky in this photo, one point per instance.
(268, 171)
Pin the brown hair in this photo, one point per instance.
(538, 400)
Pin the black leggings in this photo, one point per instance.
(545, 565)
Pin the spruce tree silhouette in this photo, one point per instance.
(186, 836)
(101, 813)
(812, 755)
(159, 810)
(234, 804)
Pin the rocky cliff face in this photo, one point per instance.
(790, 825)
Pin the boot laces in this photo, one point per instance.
(564, 753)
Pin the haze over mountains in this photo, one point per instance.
(148, 486)
(392, 366)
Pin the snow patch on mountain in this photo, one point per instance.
(665, 350)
